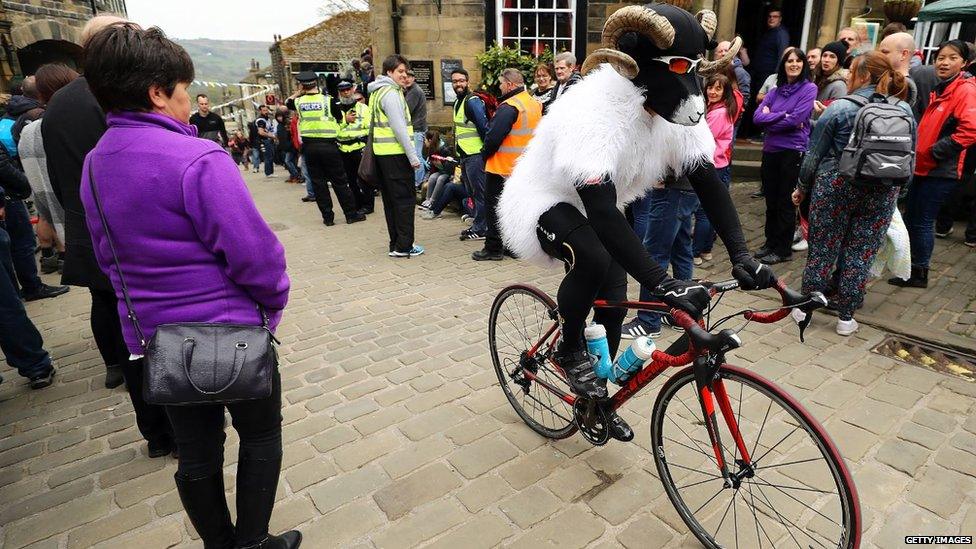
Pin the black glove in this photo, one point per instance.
(687, 295)
(753, 275)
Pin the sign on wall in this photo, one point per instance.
(447, 67)
(424, 72)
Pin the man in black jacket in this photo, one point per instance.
(20, 341)
(71, 127)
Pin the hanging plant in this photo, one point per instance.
(496, 59)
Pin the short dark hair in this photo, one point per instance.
(956, 44)
(203, 95)
(51, 77)
(123, 61)
(781, 78)
(461, 71)
(263, 107)
(393, 61)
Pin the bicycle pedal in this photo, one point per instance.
(592, 420)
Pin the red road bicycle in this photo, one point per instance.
(778, 480)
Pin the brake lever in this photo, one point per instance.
(817, 300)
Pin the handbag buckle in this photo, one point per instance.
(241, 345)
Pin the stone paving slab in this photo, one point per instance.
(397, 435)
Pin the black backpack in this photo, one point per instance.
(881, 149)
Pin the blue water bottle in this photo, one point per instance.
(632, 360)
(596, 345)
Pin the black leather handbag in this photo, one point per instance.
(197, 362)
(368, 173)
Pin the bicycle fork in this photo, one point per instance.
(711, 389)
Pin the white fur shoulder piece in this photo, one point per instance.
(597, 128)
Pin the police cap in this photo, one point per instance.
(346, 85)
(306, 77)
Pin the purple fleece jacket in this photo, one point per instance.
(192, 245)
(787, 123)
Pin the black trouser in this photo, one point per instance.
(399, 201)
(325, 164)
(200, 436)
(22, 245)
(107, 330)
(591, 274)
(779, 173)
(494, 184)
(365, 199)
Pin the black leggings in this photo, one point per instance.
(107, 331)
(779, 173)
(590, 274)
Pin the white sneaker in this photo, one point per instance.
(846, 327)
(800, 246)
(798, 315)
(697, 261)
(429, 214)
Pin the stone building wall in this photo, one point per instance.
(340, 38)
(457, 32)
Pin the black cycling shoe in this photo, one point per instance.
(578, 366)
(619, 428)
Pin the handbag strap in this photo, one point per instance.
(130, 311)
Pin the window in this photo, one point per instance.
(534, 25)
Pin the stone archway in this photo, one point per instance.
(45, 29)
(46, 41)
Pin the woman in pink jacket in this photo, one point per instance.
(721, 115)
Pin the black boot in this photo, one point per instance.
(113, 376)
(918, 279)
(257, 480)
(206, 506)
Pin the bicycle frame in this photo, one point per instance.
(711, 388)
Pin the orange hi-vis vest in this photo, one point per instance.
(529, 114)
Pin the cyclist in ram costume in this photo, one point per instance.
(636, 118)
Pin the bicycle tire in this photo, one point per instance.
(849, 533)
(560, 414)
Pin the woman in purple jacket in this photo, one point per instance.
(193, 248)
(784, 114)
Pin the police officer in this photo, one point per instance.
(319, 130)
(353, 127)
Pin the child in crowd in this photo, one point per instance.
(723, 111)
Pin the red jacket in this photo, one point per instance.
(296, 140)
(947, 129)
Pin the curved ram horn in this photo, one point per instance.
(708, 21)
(640, 20)
(620, 61)
(708, 68)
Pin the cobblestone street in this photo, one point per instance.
(397, 434)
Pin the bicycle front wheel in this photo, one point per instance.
(520, 318)
(793, 491)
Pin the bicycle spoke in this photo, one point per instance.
(828, 519)
(785, 464)
(710, 499)
(699, 471)
(759, 525)
(698, 483)
(689, 437)
(795, 429)
(725, 514)
(779, 517)
(802, 531)
(761, 428)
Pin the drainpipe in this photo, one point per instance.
(396, 15)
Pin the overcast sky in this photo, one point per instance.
(225, 19)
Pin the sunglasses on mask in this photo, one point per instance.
(678, 64)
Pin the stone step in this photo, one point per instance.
(746, 169)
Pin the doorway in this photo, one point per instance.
(750, 21)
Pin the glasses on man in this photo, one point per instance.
(678, 64)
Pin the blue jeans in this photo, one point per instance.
(290, 157)
(256, 156)
(418, 145)
(704, 237)
(640, 209)
(268, 153)
(309, 189)
(925, 197)
(452, 192)
(473, 168)
(668, 239)
(22, 245)
(20, 341)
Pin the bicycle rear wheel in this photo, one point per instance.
(797, 492)
(520, 316)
